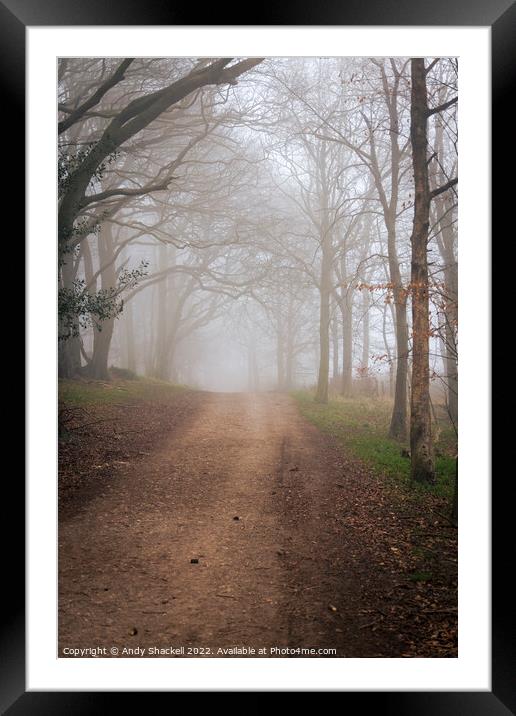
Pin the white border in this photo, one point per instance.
(471, 670)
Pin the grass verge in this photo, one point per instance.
(361, 425)
(87, 392)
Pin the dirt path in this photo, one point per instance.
(266, 505)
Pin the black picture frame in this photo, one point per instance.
(500, 15)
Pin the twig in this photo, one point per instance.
(364, 626)
(153, 611)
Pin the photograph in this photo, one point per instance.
(257, 319)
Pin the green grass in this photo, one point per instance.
(361, 425)
(87, 392)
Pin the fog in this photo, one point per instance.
(245, 225)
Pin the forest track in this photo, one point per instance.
(270, 509)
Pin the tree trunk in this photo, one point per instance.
(129, 337)
(445, 239)
(452, 377)
(289, 359)
(98, 367)
(451, 293)
(335, 348)
(347, 344)
(398, 426)
(321, 395)
(366, 301)
(421, 447)
(69, 350)
(325, 285)
(160, 368)
(69, 358)
(148, 329)
(388, 351)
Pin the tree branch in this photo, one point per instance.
(441, 107)
(432, 64)
(125, 192)
(443, 188)
(95, 98)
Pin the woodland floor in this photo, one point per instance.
(324, 554)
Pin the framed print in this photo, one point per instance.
(242, 355)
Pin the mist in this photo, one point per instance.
(253, 231)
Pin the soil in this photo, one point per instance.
(219, 521)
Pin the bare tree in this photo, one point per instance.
(81, 172)
(421, 447)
